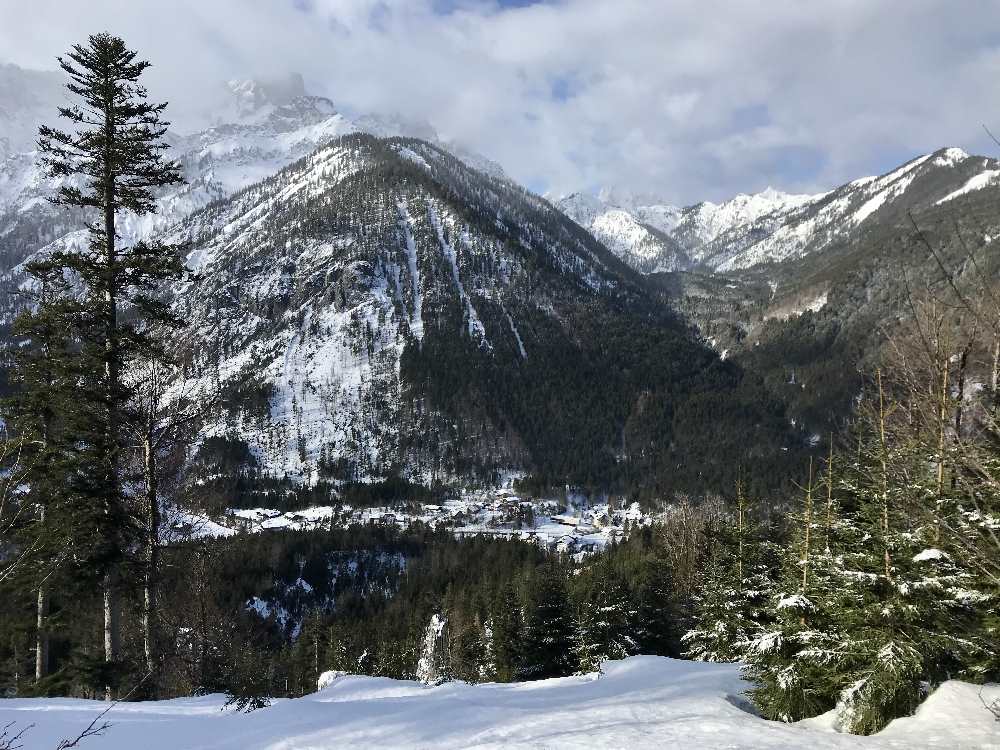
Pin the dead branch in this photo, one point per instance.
(95, 729)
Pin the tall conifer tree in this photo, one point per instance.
(907, 626)
(506, 630)
(606, 624)
(793, 663)
(111, 163)
(731, 606)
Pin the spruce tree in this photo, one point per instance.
(506, 631)
(905, 626)
(548, 627)
(973, 541)
(469, 647)
(659, 618)
(339, 649)
(250, 673)
(606, 623)
(735, 585)
(793, 663)
(111, 163)
(41, 414)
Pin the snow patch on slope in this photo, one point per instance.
(517, 337)
(476, 328)
(977, 182)
(417, 317)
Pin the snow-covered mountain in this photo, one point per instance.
(28, 98)
(700, 225)
(771, 227)
(216, 162)
(637, 229)
(375, 307)
(652, 235)
(259, 128)
(314, 284)
(381, 308)
(815, 225)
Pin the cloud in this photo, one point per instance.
(686, 99)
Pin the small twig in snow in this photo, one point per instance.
(10, 741)
(993, 708)
(94, 729)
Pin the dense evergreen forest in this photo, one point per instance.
(877, 582)
(360, 600)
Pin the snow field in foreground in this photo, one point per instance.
(641, 702)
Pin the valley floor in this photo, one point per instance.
(578, 530)
(641, 702)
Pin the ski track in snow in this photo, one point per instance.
(641, 702)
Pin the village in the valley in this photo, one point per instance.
(573, 526)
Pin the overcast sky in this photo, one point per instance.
(687, 99)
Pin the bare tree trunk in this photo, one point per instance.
(202, 626)
(740, 510)
(112, 626)
(995, 370)
(829, 497)
(883, 457)
(315, 651)
(807, 523)
(963, 362)
(41, 625)
(149, 610)
(941, 419)
(41, 634)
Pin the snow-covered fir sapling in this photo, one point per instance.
(789, 663)
(434, 665)
(905, 627)
(606, 621)
(731, 604)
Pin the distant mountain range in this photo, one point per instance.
(372, 302)
(771, 227)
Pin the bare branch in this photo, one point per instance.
(9, 741)
(95, 729)
(993, 708)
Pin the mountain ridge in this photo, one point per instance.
(748, 231)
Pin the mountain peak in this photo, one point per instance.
(949, 156)
(772, 225)
(253, 93)
(618, 197)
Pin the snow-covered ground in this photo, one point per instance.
(641, 702)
